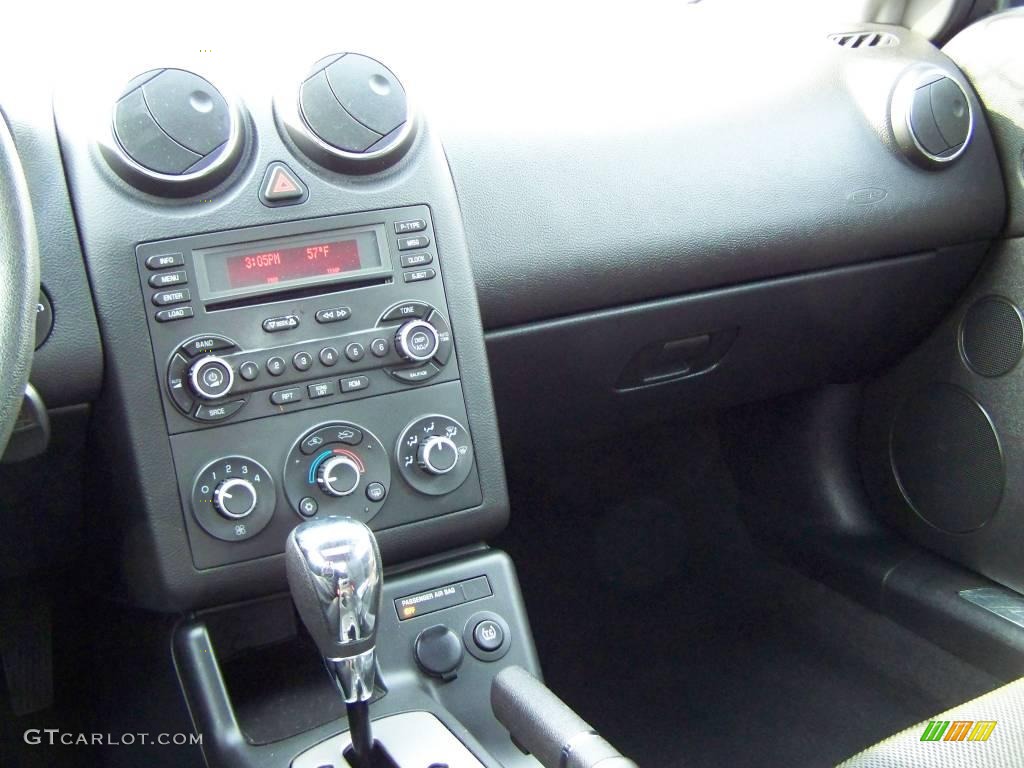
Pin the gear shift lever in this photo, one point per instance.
(334, 572)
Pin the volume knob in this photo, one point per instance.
(211, 377)
(417, 340)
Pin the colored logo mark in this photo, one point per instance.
(958, 730)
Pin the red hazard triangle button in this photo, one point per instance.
(281, 186)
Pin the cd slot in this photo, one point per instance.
(298, 293)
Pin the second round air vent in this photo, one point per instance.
(351, 114)
(173, 133)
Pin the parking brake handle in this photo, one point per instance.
(543, 724)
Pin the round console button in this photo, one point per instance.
(488, 635)
(380, 347)
(249, 370)
(302, 361)
(328, 356)
(308, 506)
(376, 491)
(211, 377)
(275, 366)
(355, 352)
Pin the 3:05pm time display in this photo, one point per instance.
(287, 264)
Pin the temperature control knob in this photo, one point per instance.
(417, 340)
(211, 377)
(235, 498)
(438, 455)
(338, 476)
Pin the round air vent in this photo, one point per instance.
(932, 118)
(991, 336)
(350, 114)
(173, 133)
(947, 459)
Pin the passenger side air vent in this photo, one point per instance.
(864, 39)
(350, 114)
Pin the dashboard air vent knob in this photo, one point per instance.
(932, 118)
(351, 114)
(174, 133)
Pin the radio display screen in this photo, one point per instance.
(292, 262)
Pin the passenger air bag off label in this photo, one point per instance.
(440, 598)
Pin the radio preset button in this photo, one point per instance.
(180, 296)
(412, 243)
(178, 313)
(320, 389)
(412, 225)
(283, 323)
(380, 347)
(328, 356)
(166, 279)
(354, 383)
(302, 361)
(275, 366)
(406, 311)
(217, 412)
(249, 370)
(335, 315)
(165, 261)
(285, 396)
(417, 259)
(419, 275)
(355, 352)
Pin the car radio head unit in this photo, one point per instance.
(229, 272)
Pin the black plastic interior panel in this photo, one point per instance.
(943, 442)
(694, 173)
(989, 53)
(834, 325)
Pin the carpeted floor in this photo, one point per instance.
(664, 627)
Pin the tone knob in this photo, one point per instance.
(235, 498)
(338, 476)
(417, 340)
(211, 377)
(438, 455)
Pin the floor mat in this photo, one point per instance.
(664, 627)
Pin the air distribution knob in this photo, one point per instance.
(417, 340)
(235, 498)
(338, 476)
(438, 455)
